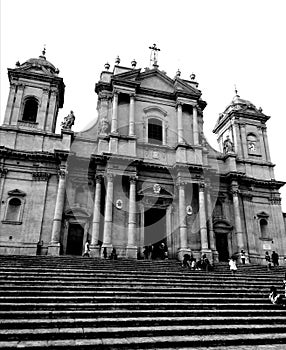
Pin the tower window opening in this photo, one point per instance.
(155, 131)
(263, 228)
(13, 211)
(30, 110)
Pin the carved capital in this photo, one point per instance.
(133, 179)
(234, 191)
(97, 179)
(179, 104)
(202, 186)
(41, 176)
(3, 172)
(62, 173)
(110, 177)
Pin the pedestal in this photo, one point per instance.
(131, 252)
(94, 251)
(54, 249)
(182, 252)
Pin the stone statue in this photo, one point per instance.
(68, 121)
(228, 145)
(104, 126)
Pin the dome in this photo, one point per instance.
(237, 100)
(40, 65)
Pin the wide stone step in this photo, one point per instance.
(192, 299)
(150, 342)
(151, 309)
(127, 332)
(68, 322)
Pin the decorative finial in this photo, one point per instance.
(107, 66)
(193, 76)
(17, 64)
(133, 63)
(235, 90)
(178, 73)
(154, 55)
(117, 60)
(44, 50)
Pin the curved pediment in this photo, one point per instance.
(222, 225)
(155, 110)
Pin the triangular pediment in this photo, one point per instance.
(156, 82)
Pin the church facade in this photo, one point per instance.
(142, 175)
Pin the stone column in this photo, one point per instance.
(43, 109)
(94, 247)
(3, 173)
(244, 140)
(237, 218)
(262, 145)
(54, 246)
(203, 220)
(9, 107)
(107, 230)
(265, 139)
(210, 219)
(182, 222)
(132, 116)
(114, 112)
(195, 125)
(131, 247)
(180, 123)
(50, 123)
(17, 105)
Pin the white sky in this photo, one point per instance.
(224, 42)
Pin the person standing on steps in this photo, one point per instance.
(268, 260)
(232, 265)
(242, 256)
(275, 258)
(284, 284)
(86, 249)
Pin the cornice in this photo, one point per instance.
(17, 154)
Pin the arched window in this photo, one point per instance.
(14, 209)
(263, 228)
(252, 143)
(30, 110)
(155, 131)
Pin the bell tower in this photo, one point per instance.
(36, 94)
(245, 126)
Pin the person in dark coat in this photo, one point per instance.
(275, 258)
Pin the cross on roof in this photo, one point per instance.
(154, 55)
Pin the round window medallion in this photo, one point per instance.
(119, 204)
(189, 210)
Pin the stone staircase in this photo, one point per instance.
(84, 303)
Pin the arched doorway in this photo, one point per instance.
(155, 230)
(76, 231)
(75, 239)
(155, 219)
(222, 230)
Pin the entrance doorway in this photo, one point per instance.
(222, 246)
(75, 239)
(155, 230)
